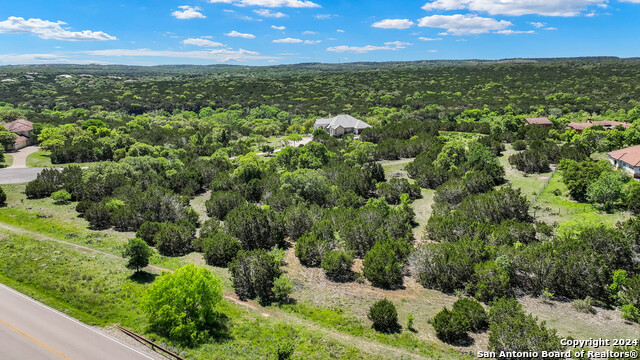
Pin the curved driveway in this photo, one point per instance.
(18, 172)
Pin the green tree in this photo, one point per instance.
(181, 305)
(3, 197)
(255, 227)
(61, 197)
(219, 248)
(337, 265)
(282, 288)
(450, 326)
(138, 253)
(384, 316)
(253, 274)
(383, 263)
(608, 189)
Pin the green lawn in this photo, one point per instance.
(529, 184)
(8, 160)
(41, 159)
(565, 212)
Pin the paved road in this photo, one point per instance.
(31, 330)
(19, 175)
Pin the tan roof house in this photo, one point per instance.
(627, 159)
(22, 128)
(606, 124)
(542, 121)
(341, 124)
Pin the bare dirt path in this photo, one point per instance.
(365, 345)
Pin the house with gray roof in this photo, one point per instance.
(340, 125)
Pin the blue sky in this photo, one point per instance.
(266, 32)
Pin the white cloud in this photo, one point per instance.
(340, 31)
(551, 28)
(459, 24)
(270, 3)
(49, 30)
(537, 24)
(514, 32)
(188, 12)
(268, 13)
(393, 24)
(395, 45)
(309, 32)
(201, 42)
(220, 55)
(323, 16)
(432, 51)
(296, 41)
(278, 27)
(429, 39)
(516, 8)
(240, 35)
(288, 41)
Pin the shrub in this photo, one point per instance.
(253, 274)
(285, 349)
(519, 145)
(98, 216)
(531, 161)
(148, 231)
(384, 316)
(255, 227)
(222, 202)
(181, 305)
(219, 248)
(383, 263)
(630, 313)
(513, 330)
(3, 197)
(450, 326)
(38, 189)
(173, 240)
(209, 227)
(310, 249)
(489, 282)
(61, 197)
(584, 306)
(282, 288)
(83, 206)
(473, 311)
(138, 253)
(337, 265)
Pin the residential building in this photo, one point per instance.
(341, 124)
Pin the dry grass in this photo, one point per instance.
(605, 323)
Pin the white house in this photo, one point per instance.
(341, 124)
(627, 159)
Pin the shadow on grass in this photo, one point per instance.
(143, 277)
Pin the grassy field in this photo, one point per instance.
(530, 184)
(561, 210)
(41, 159)
(8, 160)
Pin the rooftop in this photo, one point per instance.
(346, 121)
(630, 155)
(20, 125)
(538, 121)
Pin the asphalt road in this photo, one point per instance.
(18, 175)
(32, 330)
